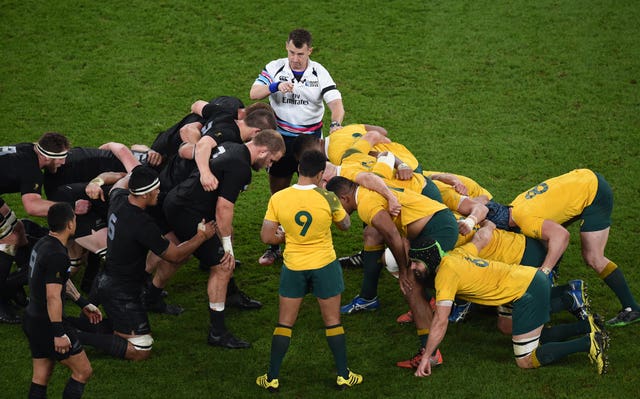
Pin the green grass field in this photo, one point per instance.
(508, 93)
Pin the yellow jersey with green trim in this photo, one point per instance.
(559, 199)
(400, 151)
(464, 275)
(306, 214)
(450, 197)
(414, 206)
(505, 246)
(358, 162)
(338, 142)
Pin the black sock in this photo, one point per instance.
(217, 322)
(37, 391)
(73, 390)
(111, 344)
(5, 266)
(232, 287)
(154, 294)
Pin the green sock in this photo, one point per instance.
(551, 352)
(279, 346)
(618, 284)
(563, 331)
(338, 345)
(372, 265)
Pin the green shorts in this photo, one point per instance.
(597, 216)
(533, 309)
(324, 283)
(534, 252)
(443, 228)
(431, 190)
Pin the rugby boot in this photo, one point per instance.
(351, 380)
(242, 301)
(414, 362)
(351, 261)
(359, 304)
(579, 300)
(226, 340)
(270, 385)
(7, 314)
(624, 317)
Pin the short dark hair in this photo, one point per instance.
(305, 142)
(256, 106)
(58, 215)
(54, 142)
(311, 163)
(261, 118)
(300, 37)
(340, 185)
(270, 139)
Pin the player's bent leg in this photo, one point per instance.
(593, 245)
(80, 367)
(138, 346)
(504, 323)
(288, 309)
(219, 277)
(95, 241)
(42, 370)
(524, 346)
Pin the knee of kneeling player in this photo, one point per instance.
(82, 375)
(139, 348)
(524, 351)
(504, 325)
(525, 362)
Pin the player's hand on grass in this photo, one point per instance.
(424, 368)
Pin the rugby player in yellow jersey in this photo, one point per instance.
(513, 248)
(420, 216)
(340, 140)
(541, 212)
(461, 273)
(306, 213)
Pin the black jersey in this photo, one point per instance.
(132, 233)
(231, 165)
(220, 126)
(49, 264)
(82, 165)
(222, 105)
(168, 142)
(19, 170)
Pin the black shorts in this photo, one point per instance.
(40, 336)
(185, 224)
(123, 305)
(287, 165)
